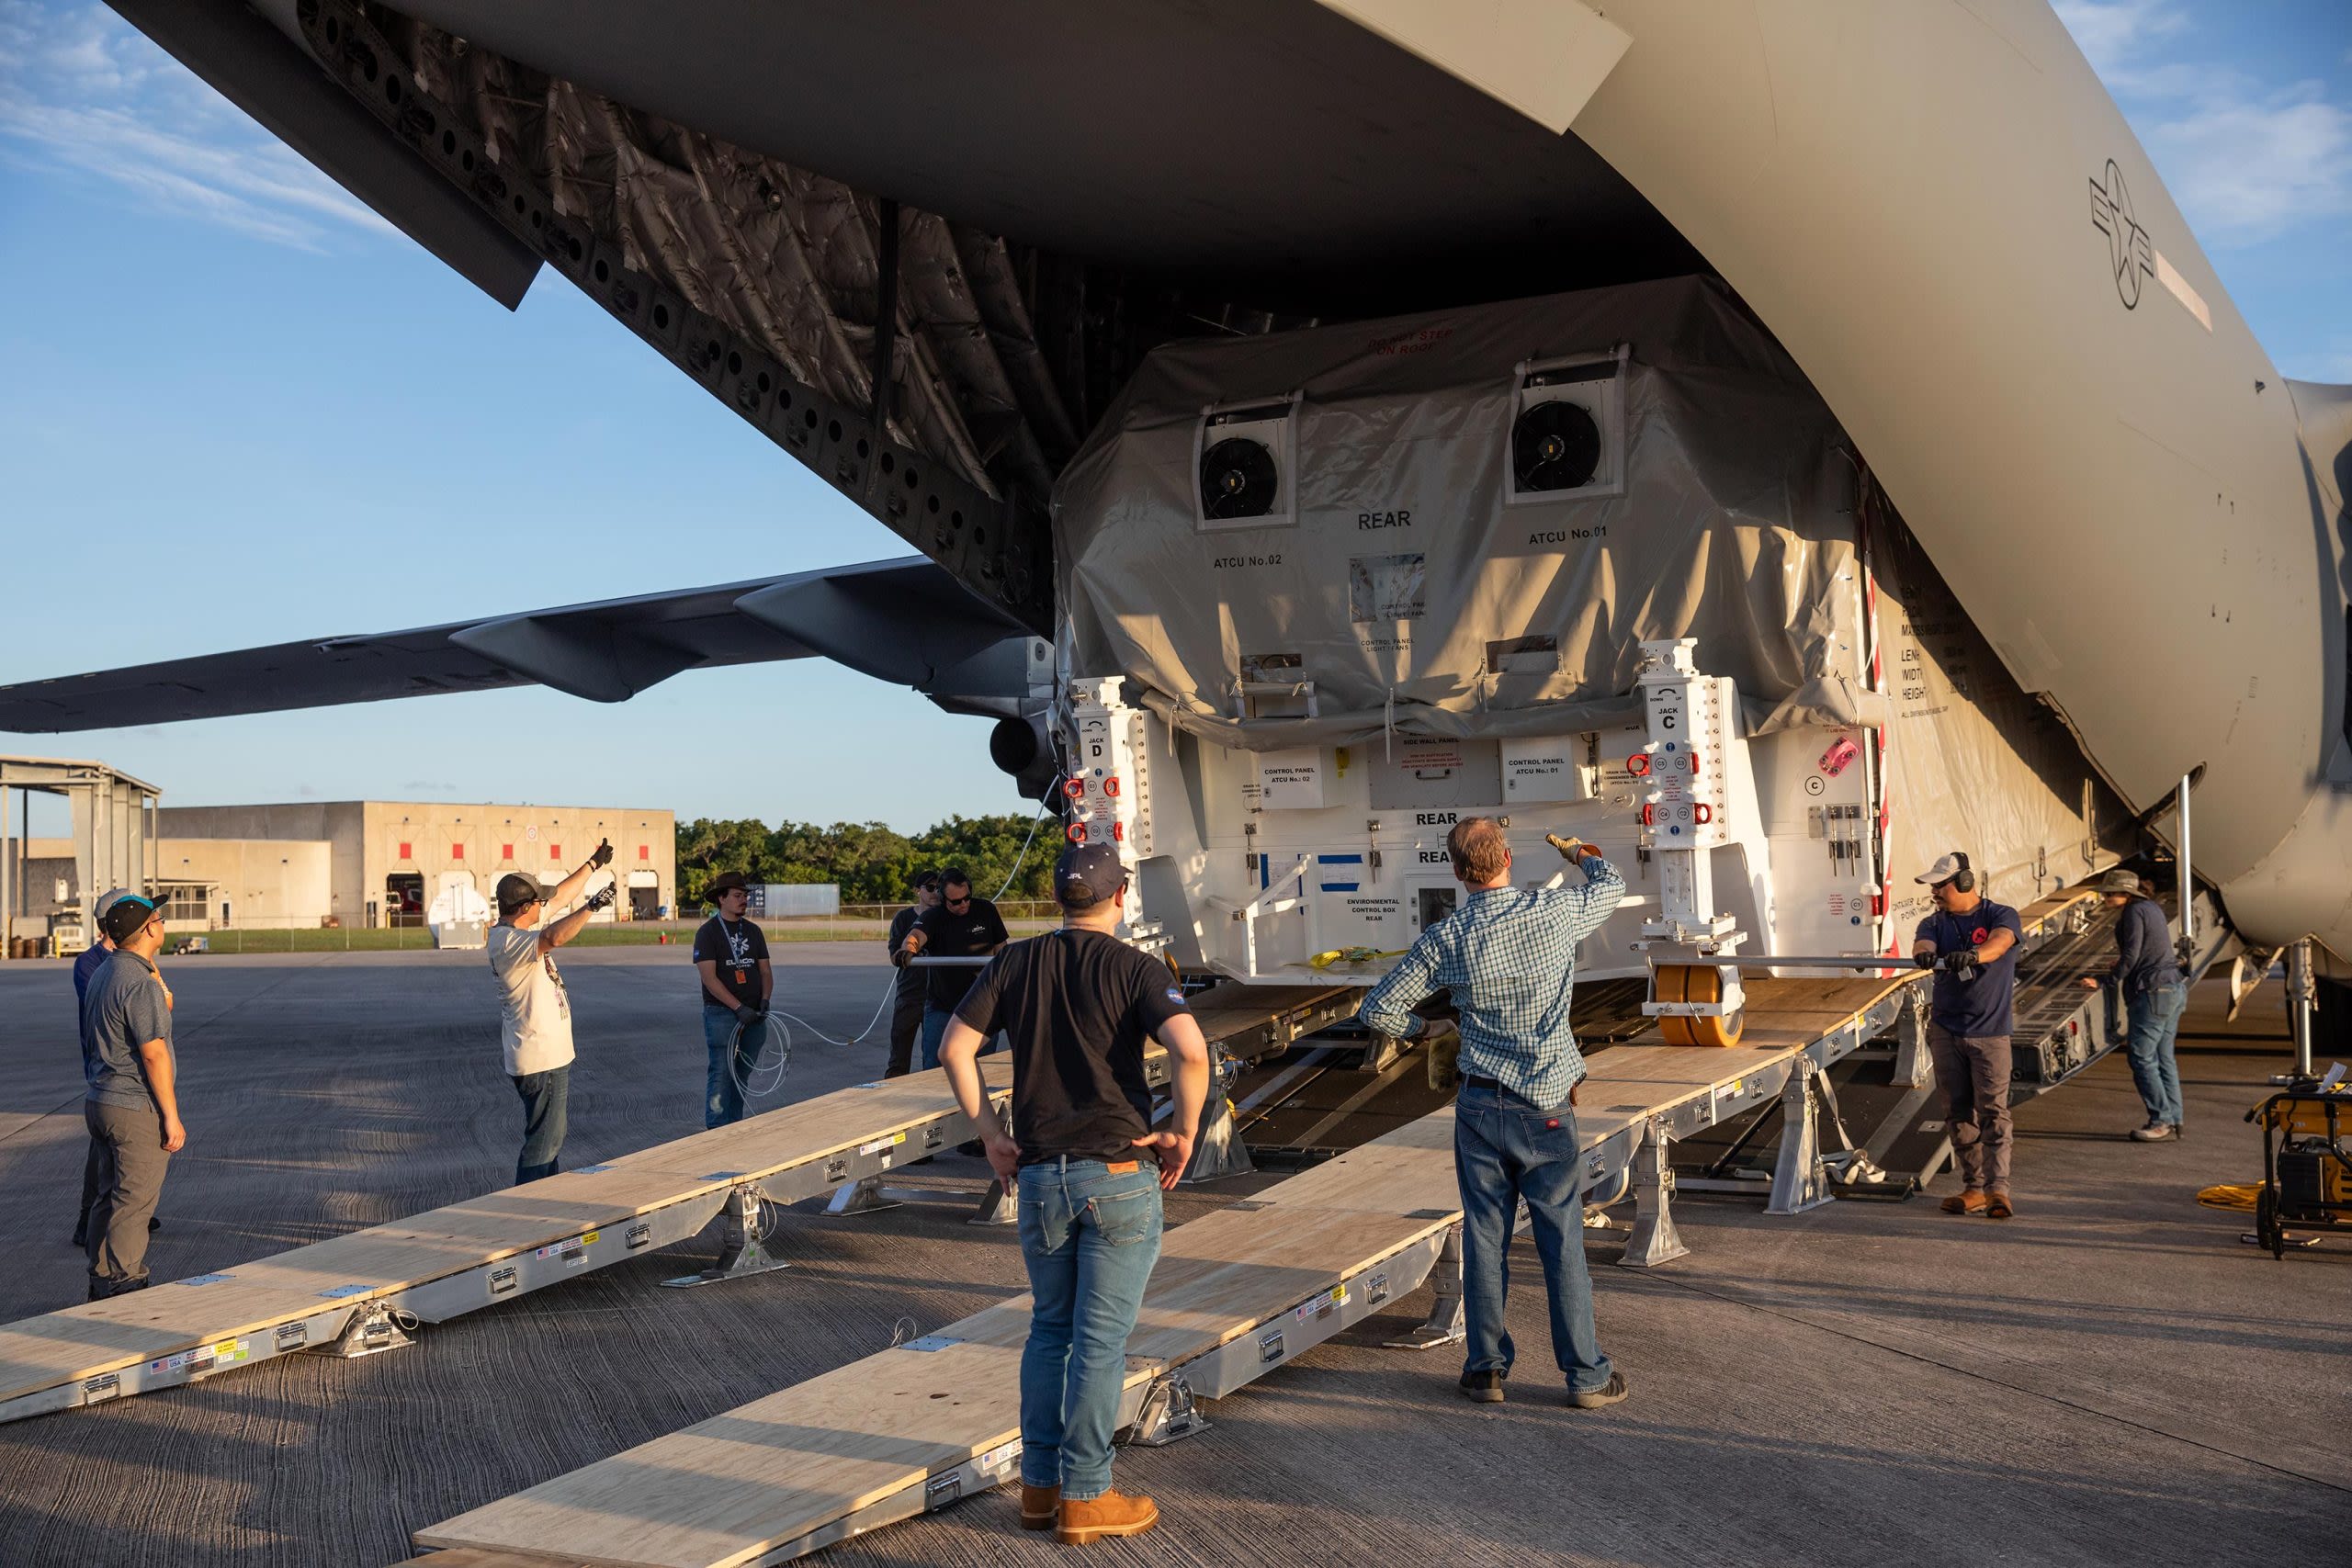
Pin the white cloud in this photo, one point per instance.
(2245, 159)
(80, 87)
(2109, 32)
(2246, 171)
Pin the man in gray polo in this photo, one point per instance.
(132, 1105)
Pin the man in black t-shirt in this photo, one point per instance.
(1077, 1005)
(962, 927)
(907, 1001)
(732, 955)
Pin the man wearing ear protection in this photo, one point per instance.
(1970, 943)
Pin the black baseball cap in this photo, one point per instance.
(1087, 875)
(127, 917)
(518, 889)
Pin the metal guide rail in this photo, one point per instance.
(364, 1292)
(1237, 1293)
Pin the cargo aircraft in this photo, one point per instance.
(1778, 442)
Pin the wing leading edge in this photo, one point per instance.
(905, 621)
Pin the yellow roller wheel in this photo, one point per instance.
(1673, 979)
(1702, 983)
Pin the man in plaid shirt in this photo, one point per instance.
(1507, 958)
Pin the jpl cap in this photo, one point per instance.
(517, 890)
(1088, 874)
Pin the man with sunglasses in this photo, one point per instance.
(907, 1002)
(534, 1011)
(132, 1106)
(962, 927)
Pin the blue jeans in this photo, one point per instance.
(545, 1097)
(722, 1093)
(1506, 1149)
(2155, 1014)
(1090, 1237)
(934, 1029)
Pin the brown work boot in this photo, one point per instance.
(1111, 1514)
(1997, 1205)
(1969, 1202)
(1040, 1505)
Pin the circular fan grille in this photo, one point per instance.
(1237, 480)
(1554, 445)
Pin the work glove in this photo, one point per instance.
(1925, 960)
(748, 1014)
(603, 855)
(603, 897)
(1960, 965)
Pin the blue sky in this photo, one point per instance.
(238, 409)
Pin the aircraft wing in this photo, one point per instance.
(905, 621)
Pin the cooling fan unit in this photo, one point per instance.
(1237, 480)
(1554, 445)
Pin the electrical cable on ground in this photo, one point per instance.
(2236, 1196)
(762, 1077)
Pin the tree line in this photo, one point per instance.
(870, 863)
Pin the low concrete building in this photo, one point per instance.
(386, 860)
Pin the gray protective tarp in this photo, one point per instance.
(1736, 526)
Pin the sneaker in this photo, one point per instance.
(1969, 1202)
(1040, 1507)
(2153, 1133)
(1111, 1514)
(1481, 1388)
(1610, 1393)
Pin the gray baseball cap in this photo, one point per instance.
(1944, 870)
(108, 900)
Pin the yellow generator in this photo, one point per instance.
(2306, 1160)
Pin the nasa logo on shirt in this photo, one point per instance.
(1175, 996)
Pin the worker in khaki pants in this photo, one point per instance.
(1077, 1006)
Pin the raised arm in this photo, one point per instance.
(568, 888)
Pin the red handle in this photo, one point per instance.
(1703, 813)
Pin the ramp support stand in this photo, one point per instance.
(740, 1249)
(996, 1208)
(1446, 1324)
(1219, 1151)
(1915, 1067)
(1655, 1240)
(372, 1330)
(1801, 1179)
(1169, 1414)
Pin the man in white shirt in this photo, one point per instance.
(535, 1024)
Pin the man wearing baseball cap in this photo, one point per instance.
(2147, 971)
(92, 959)
(534, 1011)
(1970, 943)
(731, 954)
(132, 1103)
(1077, 1006)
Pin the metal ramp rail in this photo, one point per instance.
(364, 1292)
(1237, 1293)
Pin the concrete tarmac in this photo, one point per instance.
(2110, 1377)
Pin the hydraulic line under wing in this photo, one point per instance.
(904, 621)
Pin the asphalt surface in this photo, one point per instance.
(2111, 1377)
